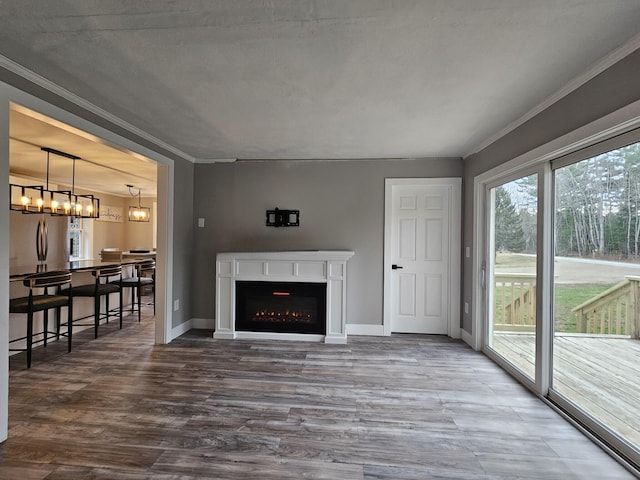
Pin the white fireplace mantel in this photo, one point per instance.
(321, 266)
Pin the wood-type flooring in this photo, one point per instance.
(597, 373)
(401, 407)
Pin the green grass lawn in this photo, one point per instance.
(568, 297)
(504, 259)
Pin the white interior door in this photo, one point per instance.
(422, 256)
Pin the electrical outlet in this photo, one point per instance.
(176, 305)
(201, 222)
(466, 307)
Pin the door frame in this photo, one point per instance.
(9, 95)
(455, 211)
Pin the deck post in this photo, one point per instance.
(634, 321)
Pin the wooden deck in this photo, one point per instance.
(600, 374)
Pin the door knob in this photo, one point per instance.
(395, 267)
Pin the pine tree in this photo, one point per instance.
(509, 235)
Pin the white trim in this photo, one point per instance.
(181, 329)
(455, 212)
(49, 86)
(544, 276)
(365, 329)
(597, 68)
(164, 262)
(5, 98)
(467, 338)
(296, 337)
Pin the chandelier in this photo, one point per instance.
(138, 213)
(39, 199)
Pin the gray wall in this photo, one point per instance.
(611, 90)
(183, 229)
(341, 206)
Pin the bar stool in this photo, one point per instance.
(145, 275)
(101, 287)
(42, 302)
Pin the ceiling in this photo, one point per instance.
(101, 168)
(301, 79)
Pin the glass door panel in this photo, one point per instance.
(511, 268)
(596, 351)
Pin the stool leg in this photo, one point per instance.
(139, 290)
(45, 323)
(29, 337)
(96, 314)
(69, 325)
(58, 314)
(120, 310)
(106, 302)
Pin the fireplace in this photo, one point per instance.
(315, 279)
(282, 307)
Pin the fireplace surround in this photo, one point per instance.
(325, 268)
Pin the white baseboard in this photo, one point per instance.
(204, 323)
(365, 329)
(180, 329)
(467, 338)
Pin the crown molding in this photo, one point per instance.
(48, 85)
(216, 160)
(597, 68)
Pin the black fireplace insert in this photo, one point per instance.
(282, 307)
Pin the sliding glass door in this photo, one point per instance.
(561, 277)
(511, 269)
(596, 351)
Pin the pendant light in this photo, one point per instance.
(138, 213)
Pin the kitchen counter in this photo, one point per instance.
(19, 272)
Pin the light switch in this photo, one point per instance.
(201, 222)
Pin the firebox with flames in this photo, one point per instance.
(274, 316)
(286, 307)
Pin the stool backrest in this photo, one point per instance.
(47, 279)
(146, 267)
(107, 271)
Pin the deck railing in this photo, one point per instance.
(615, 311)
(515, 302)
